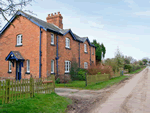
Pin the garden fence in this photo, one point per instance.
(90, 79)
(12, 90)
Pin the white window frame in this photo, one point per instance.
(52, 64)
(67, 43)
(85, 48)
(92, 50)
(67, 66)
(9, 66)
(28, 66)
(52, 38)
(85, 65)
(19, 39)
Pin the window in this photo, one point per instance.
(52, 38)
(9, 67)
(28, 66)
(85, 65)
(19, 40)
(67, 66)
(92, 51)
(85, 48)
(52, 66)
(67, 43)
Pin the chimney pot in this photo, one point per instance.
(56, 19)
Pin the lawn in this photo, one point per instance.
(101, 85)
(41, 103)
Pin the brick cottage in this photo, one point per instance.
(31, 46)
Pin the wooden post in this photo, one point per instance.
(3, 94)
(8, 90)
(31, 87)
(85, 79)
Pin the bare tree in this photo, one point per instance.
(9, 7)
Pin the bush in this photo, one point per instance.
(129, 67)
(81, 74)
(93, 70)
(57, 80)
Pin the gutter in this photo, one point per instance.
(90, 55)
(40, 54)
(79, 54)
(57, 55)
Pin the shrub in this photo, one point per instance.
(81, 74)
(93, 70)
(128, 66)
(57, 80)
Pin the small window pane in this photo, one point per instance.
(9, 68)
(19, 39)
(85, 48)
(52, 38)
(85, 65)
(52, 66)
(28, 66)
(67, 66)
(67, 42)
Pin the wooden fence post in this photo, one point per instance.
(85, 79)
(54, 82)
(31, 87)
(8, 90)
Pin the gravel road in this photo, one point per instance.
(133, 97)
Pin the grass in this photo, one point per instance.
(101, 85)
(136, 71)
(41, 103)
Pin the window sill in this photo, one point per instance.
(52, 44)
(18, 45)
(68, 48)
(67, 72)
(52, 73)
(27, 73)
(9, 71)
(86, 52)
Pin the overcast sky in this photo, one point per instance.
(115, 23)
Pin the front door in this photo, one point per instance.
(18, 71)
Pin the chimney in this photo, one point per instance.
(55, 19)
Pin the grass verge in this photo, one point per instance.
(136, 71)
(101, 85)
(41, 103)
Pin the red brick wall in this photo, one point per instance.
(66, 54)
(29, 49)
(51, 53)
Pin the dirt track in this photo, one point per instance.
(84, 101)
(133, 97)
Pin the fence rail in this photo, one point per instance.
(97, 78)
(12, 90)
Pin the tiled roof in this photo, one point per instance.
(46, 26)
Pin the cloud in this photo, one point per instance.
(144, 13)
(96, 25)
(131, 3)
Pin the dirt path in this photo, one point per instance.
(84, 101)
(133, 97)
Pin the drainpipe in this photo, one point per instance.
(57, 55)
(40, 54)
(79, 54)
(90, 55)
